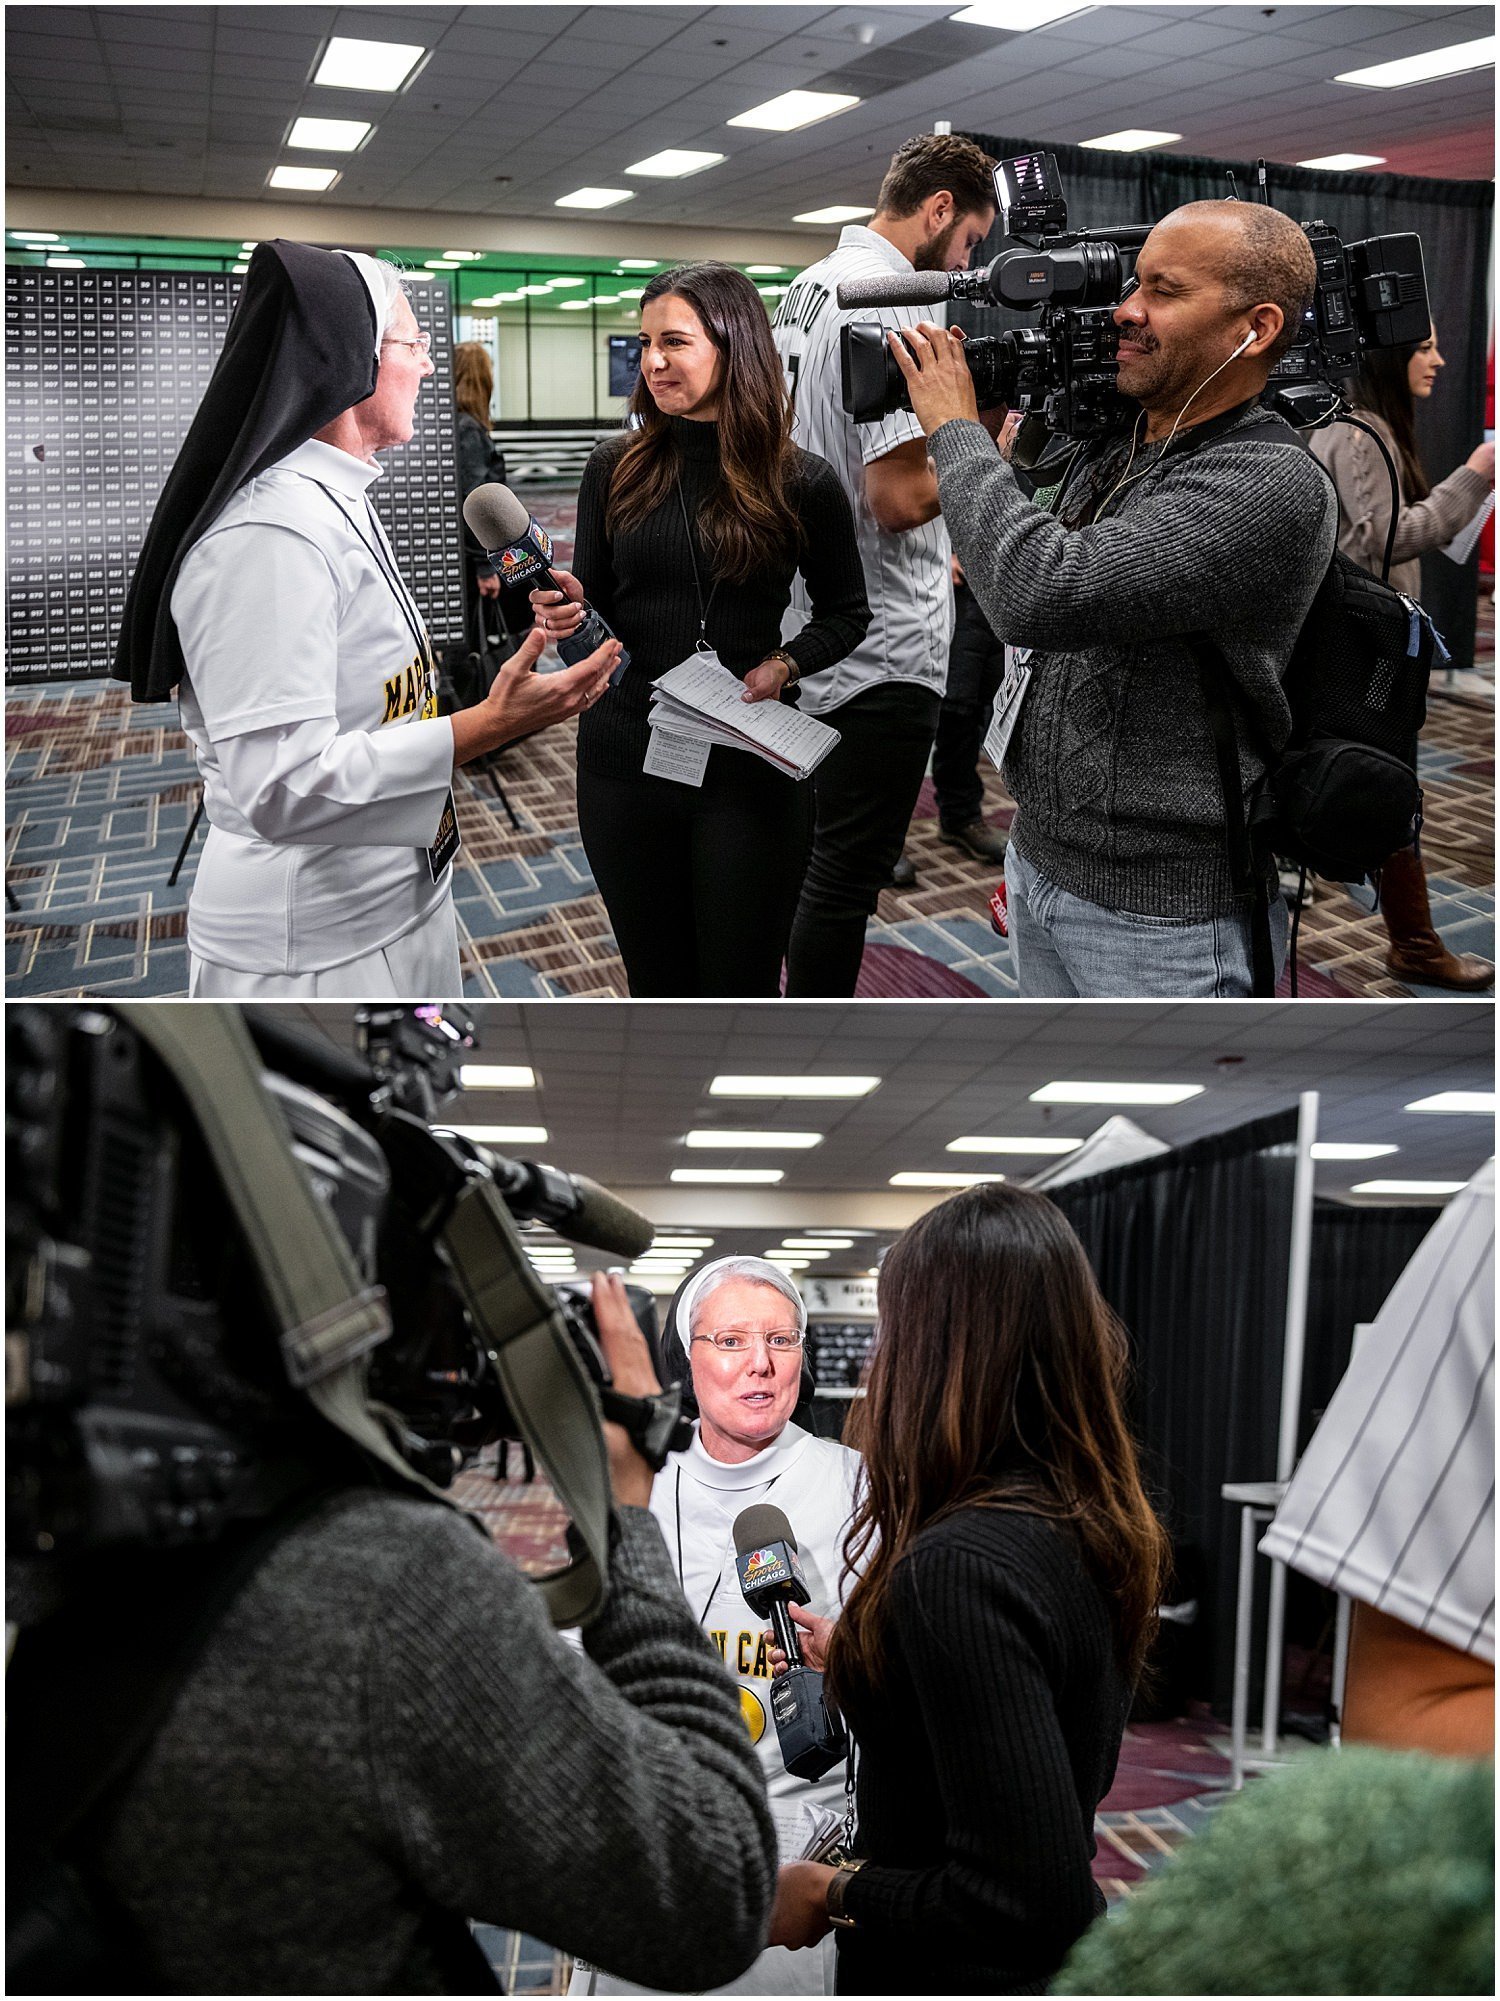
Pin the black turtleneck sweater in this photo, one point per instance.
(982, 1758)
(642, 583)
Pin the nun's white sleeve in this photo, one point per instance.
(303, 782)
(257, 611)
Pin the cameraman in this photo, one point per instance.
(383, 1736)
(1118, 874)
(935, 207)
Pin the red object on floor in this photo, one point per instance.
(999, 911)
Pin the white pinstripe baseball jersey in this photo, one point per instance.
(907, 578)
(1394, 1499)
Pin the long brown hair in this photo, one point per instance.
(1384, 386)
(749, 522)
(996, 1382)
(473, 380)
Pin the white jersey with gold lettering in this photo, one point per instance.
(310, 700)
(907, 577)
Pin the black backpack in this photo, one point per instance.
(1342, 794)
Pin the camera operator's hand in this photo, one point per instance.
(634, 1374)
(799, 1916)
(1482, 461)
(937, 376)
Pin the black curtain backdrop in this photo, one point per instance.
(1453, 219)
(1357, 1256)
(1191, 1249)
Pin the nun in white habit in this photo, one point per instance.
(734, 1338)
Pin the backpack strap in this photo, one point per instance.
(1213, 674)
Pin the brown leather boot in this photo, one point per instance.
(1417, 953)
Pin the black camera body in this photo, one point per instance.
(1061, 374)
(148, 1401)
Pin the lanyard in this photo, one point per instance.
(385, 563)
(681, 1576)
(703, 609)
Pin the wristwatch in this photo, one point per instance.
(838, 1886)
(787, 661)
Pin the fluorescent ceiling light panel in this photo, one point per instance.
(638, 263)
(1020, 16)
(817, 1243)
(1345, 163)
(1064, 1093)
(984, 1143)
(764, 270)
(595, 198)
(349, 64)
(574, 305)
(792, 1087)
(329, 135)
(910, 1180)
(731, 1177)
(251, 246)
(1451, 61)
(675, 163)
(1455, 1101)
(67, 263)
(1406, 1187)
(712, 1136)
(792, 110)
(561, 284)
(788, 1264)
(440, 264)
(1131, 140)
(35, 236)
(837, 213)
(1338, 1149)
(533, 291)
(503, 1135)
(303, 180)
(239, 269)
(417, 278)
(463, 256)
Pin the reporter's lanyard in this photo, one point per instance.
(703, 608)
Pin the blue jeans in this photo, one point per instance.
(1063, 947)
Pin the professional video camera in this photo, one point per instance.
(225, 1249)
(1060, 374)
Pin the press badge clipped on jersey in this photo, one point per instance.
(1008, 702)
(448, 841)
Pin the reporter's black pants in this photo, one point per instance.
(700, 882)
(976, 666)
(864, 790)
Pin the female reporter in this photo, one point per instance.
(478, 464)
(987, 1655)
(1387, 389)
(690, 531)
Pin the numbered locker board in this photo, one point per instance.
(104, 370)
(839, 1350)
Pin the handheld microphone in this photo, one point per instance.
(520, 549)
(811, 1734)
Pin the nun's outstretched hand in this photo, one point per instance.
(522, 701)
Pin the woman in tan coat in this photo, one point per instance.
(1385, 397)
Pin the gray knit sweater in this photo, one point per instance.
(385, 1722)
(1112, 763)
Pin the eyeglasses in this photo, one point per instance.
(421, 345)
(735, 1340)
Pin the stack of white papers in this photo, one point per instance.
(701, 702)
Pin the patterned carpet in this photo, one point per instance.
(100, 796)
(1170, 1778)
